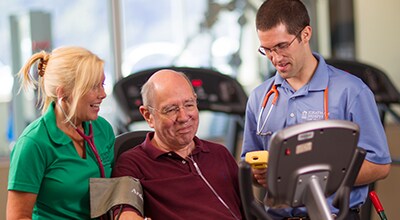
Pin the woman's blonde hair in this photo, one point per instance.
(75, 70)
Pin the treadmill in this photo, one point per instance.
(216, 92)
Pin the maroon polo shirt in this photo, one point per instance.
(172, 187)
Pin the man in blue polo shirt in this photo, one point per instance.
(305, 88)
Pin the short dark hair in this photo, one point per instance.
(291, 13)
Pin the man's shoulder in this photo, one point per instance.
(344, 77)
(135, 150)
(132, 155)
(213, 146)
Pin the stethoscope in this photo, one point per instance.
(88, 138)
(274, 91)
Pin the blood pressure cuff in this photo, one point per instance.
(105, 193)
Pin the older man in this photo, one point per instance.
(183, 177)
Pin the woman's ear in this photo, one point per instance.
(60, 93)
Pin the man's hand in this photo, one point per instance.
(131, 215)
(259, 163)
(260, 175)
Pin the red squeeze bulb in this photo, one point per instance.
(377, 204)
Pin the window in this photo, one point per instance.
(170, 32)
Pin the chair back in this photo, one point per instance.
(128, 140)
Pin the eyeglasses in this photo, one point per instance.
(172, 112)
(278, 49)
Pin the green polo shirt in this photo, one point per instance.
(44, 161)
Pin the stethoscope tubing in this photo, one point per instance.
(90, 140)
(274, 91)
(266, 119)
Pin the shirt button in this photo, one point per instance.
(292, 115)
(169, 154)
(184, 161)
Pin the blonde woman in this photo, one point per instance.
(55, 156)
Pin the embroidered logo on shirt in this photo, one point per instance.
(312, 115)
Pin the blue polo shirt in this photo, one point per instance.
(349, 99)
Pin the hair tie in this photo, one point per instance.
(42, 66)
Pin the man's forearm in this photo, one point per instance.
(371, 172)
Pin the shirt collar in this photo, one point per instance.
(154, 152)
(320, 79)
(55, 134)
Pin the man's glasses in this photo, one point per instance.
(172, 112)
(278, 49)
